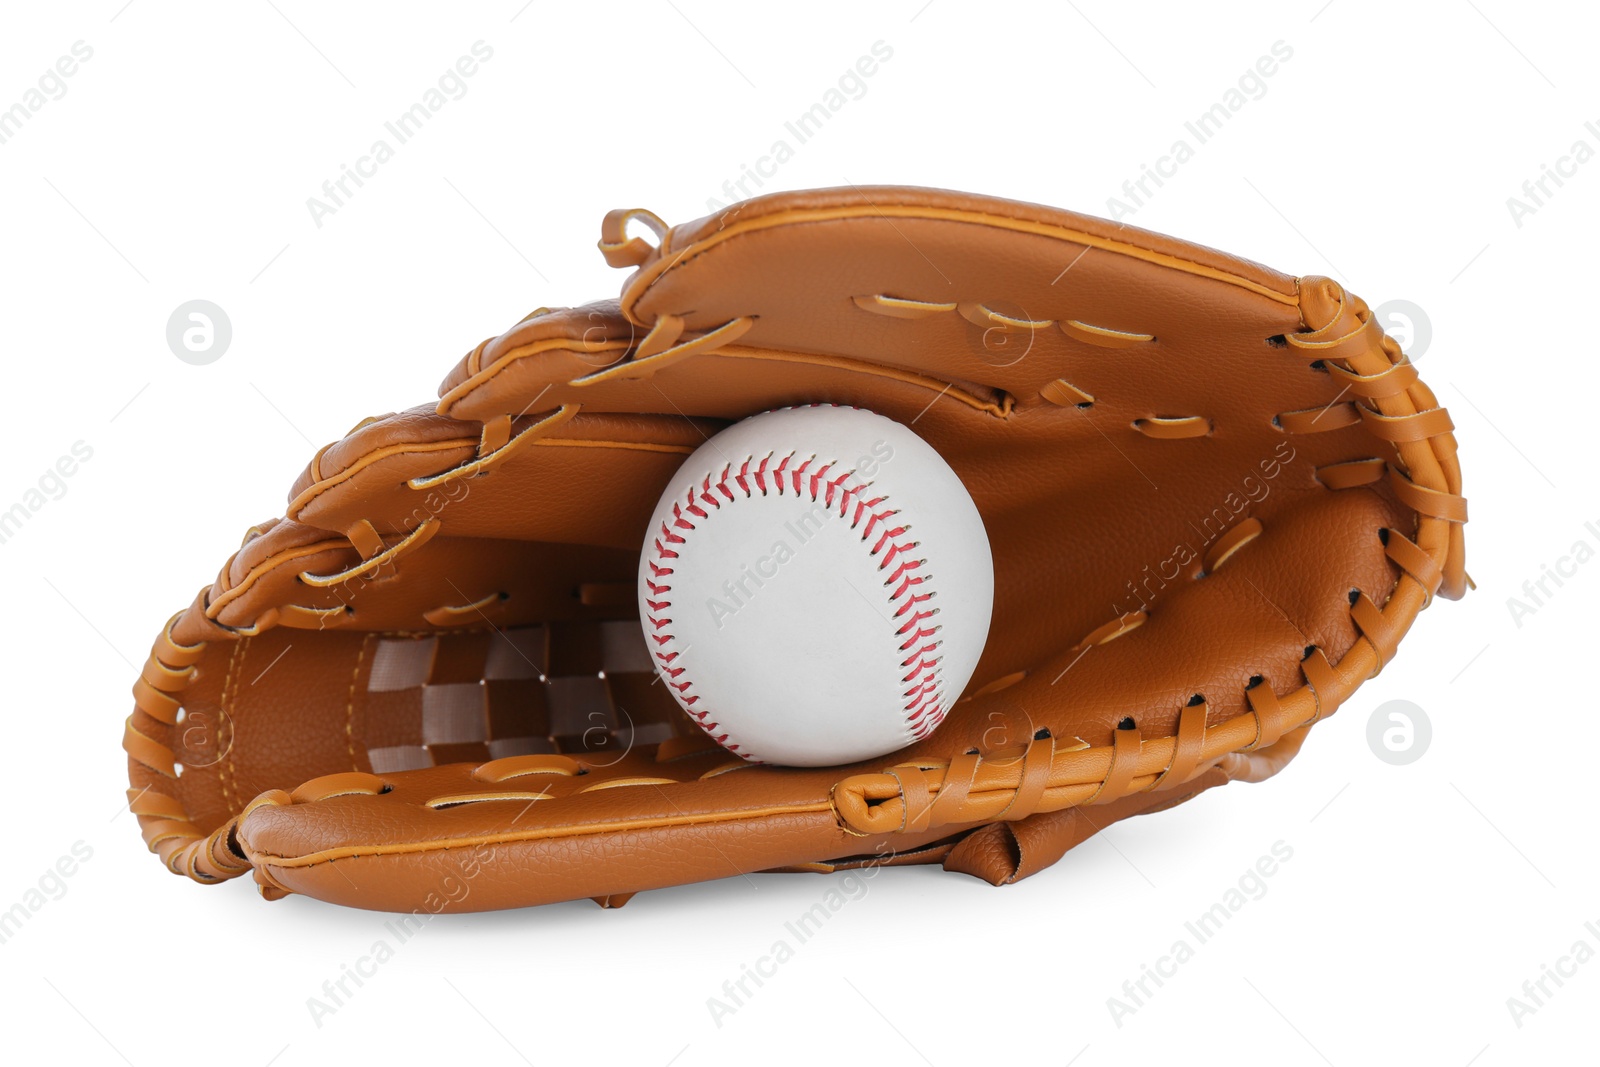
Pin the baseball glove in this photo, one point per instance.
(1217, 498)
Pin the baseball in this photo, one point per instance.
(816, 586)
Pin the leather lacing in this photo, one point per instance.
(165, 824)
(164, 821)
(496, 443)
(1049, 775)
(987, 318)
(664, 344)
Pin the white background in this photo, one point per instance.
(177, 166)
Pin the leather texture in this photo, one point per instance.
(1217, 498)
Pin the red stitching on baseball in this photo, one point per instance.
(923, 703)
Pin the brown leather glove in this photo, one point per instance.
(1217, 497)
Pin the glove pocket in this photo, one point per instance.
(536, 829)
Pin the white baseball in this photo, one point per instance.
(816, 586)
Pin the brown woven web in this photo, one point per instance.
(471, 697)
